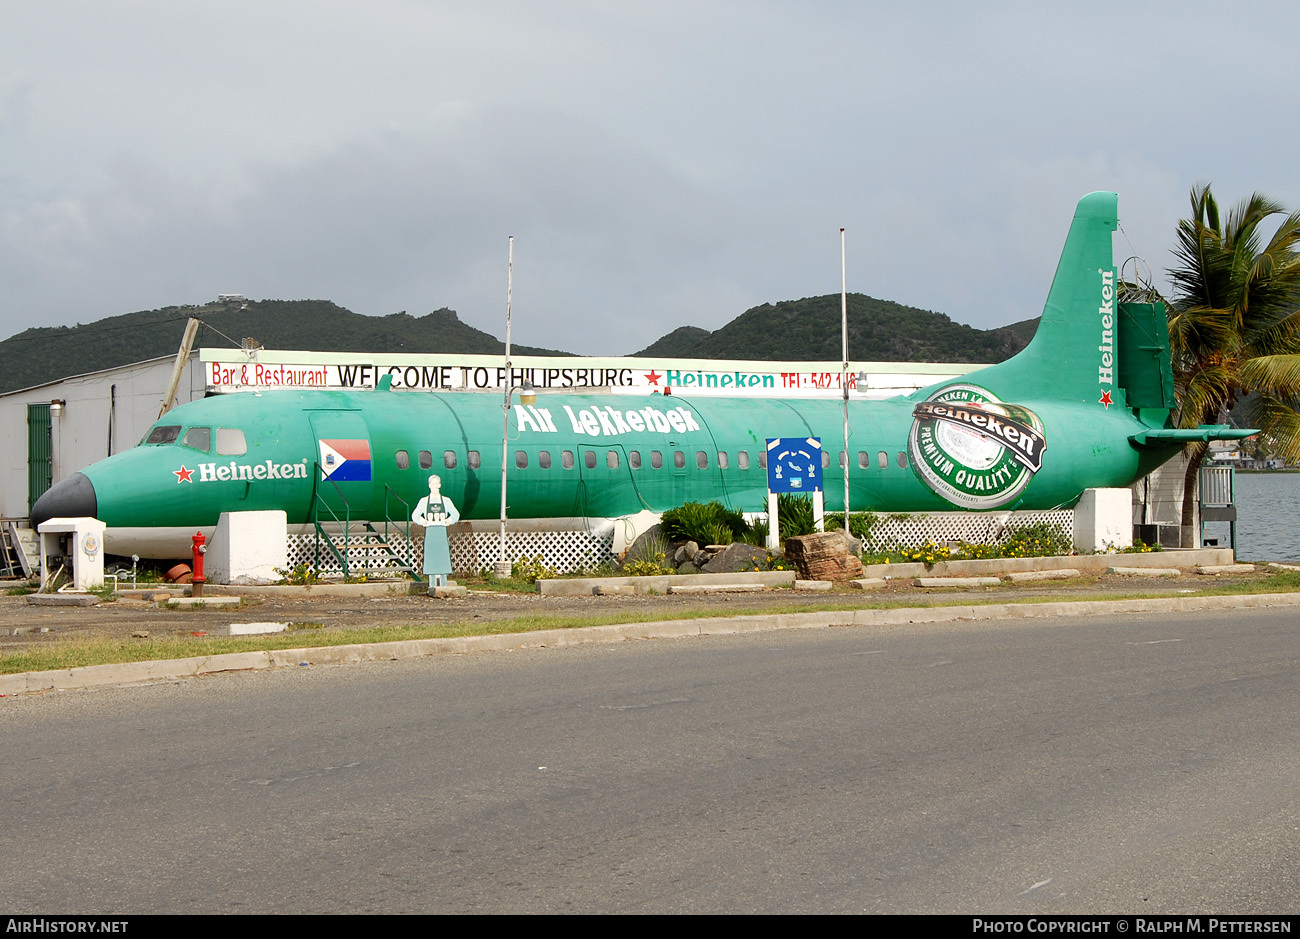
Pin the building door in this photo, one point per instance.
(40, 453)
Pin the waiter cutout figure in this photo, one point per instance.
(435, 512)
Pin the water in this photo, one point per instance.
(1268, 518)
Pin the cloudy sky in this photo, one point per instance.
(659, 163)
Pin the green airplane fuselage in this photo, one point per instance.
(568, 455)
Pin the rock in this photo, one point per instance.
(737, 557)
(691, 549)
(823, 556)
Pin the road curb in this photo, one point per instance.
(136, 673)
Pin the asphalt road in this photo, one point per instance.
(1092, 764)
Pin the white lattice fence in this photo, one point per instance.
(565, 551)
(471, 551)
(364, 556)
(912, 531)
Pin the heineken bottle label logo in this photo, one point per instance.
(972, 449)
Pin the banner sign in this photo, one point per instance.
(227, 370)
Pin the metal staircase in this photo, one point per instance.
(359, 547)
(20, 551)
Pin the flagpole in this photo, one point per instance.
(844, 378)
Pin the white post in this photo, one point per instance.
(844, 380)
(773, 523)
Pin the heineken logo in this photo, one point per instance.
(972, 449)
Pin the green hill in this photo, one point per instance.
(35, 356)
(794, 330)
(879, 331)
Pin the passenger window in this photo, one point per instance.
(198, 438)
(844, 459)
(882, 458)
(544, 459)
(167, 434)
(722, 459)
(864, 459)
(566, 459)
(656, 459)
(826, 459)
(589, 458)
(762, 459)
(449, 459)
(701, 460)
(403, 460)
(521, 459)
(634, 459)
(230, 442)
(902, 460)
(475, 459)
(611, 458)
(742, 459)
(426, 460)
(679, 459)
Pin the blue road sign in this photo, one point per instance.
(794, 464)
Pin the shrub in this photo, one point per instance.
(648, 567)
(796, 513)
(860, 523)
(757, 534)
(1035, 541)
(704, 523)
(531, 570)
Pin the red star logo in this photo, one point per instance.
(653, 377)
(1105, 399)
(183, 475)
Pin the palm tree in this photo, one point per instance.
(1234, 325)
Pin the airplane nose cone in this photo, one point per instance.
(73, 497)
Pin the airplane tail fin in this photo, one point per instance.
(1075, 355)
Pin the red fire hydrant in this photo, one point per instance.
(200, 549)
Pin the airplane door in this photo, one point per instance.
(609, 486)
(344, 474)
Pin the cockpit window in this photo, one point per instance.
(198, 438)
(230, 442)
(164, 433)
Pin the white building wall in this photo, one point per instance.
(104, 413)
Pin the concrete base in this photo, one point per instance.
(957, 581)
(1145, 571)
(583, 586)
(200, 603)
(1025, 577)
(256, 629)
(373, 588)
(717, 588)
(869, 583)
(247, 547)
(1103, 520)
(1095, 563)
(1226, 569)
(813, 585)
(62, 599)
